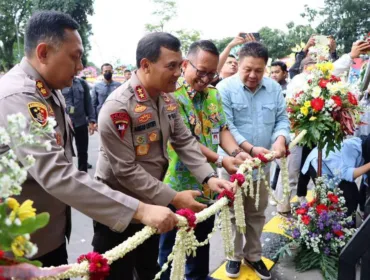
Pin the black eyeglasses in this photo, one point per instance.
(202, 74)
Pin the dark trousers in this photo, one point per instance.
(197, 268)
(141, 262)
(350, 192)
(303, 179)
(55, 258)
(276, 177)
(82, 144)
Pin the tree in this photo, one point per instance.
(13, 15)
(222, 43)
(166, 10)
(346, 20)
(78, 9)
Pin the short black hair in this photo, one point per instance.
(205, 45)
(47, 26)
(281, 64)
(231, 55)
(105, 64)
(254, 49)
(127, 71)
(149, 46)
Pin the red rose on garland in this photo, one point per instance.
(238, 177)
(352, 99)
(337, 100)
(230, 196)
(323, 83)
(189, 215)
(262, 158)
(317, 104)
(98, 265)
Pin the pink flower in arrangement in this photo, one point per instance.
(189, 215)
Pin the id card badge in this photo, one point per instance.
(215, 136)
(71, 110)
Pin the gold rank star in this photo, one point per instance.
(139, 90)
(39, 85)
(141, 95)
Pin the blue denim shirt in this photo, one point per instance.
(100, 93)
(340, 163)
(258, 117)
(78, 97)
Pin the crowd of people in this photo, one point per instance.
(170, 137)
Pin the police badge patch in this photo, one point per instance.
(38, 112)
(121, 121)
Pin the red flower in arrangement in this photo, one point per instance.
(98, 265)
(334, 79)
(311, 203)
(317, 104)
(299, 94)
(301, 211)
(189, 215)
(238, 177)
(230, 196)
(338, 233)
(306, 219)
(1, 254)
(337, 100)
(262, 158)
(320, 208)
(323, 83)
(309, 81)
(290, 110)
(333, 198)
(352, 99)
(331, 207)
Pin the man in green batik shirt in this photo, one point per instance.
(200, 106)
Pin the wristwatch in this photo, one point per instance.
(219, 161)
(211, 175)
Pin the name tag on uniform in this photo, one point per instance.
(215, 136)
(71, 110)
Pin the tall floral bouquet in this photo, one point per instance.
(320, 229)
(326, 107)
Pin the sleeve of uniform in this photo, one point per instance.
(120, 152)
(90, 112)
(59, 177)
(342, 65)
(187, 147)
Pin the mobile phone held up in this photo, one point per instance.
(255, 35)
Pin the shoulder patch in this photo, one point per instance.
(121, 120)
(171, 107)
(165, 97)
(38, 112)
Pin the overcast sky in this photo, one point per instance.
(119, 24)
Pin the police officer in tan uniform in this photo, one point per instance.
(53, 50)
(135, 124)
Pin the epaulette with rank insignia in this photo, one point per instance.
(141, 94)
(42, 89)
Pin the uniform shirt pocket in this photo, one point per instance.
(268, 113)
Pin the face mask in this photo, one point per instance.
(108, 76)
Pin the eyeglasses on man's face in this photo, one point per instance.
(202, 74)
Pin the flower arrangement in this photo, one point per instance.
(320, 229)
(325, 107)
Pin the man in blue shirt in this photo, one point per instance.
(256, 112)
(102, 89)
(347, 164)
(79, 108)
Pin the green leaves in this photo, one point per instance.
(30, 225)
(307, 259)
